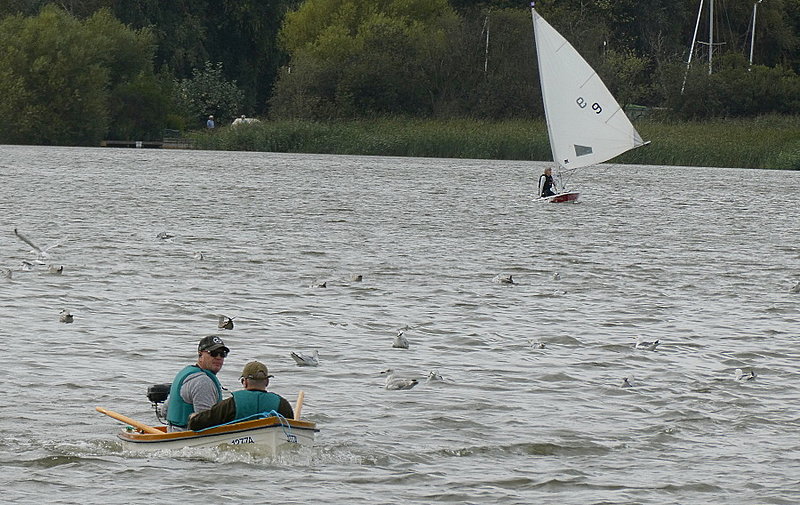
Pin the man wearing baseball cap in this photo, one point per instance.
(252, 402)
(196, 387)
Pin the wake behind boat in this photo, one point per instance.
(585, 124)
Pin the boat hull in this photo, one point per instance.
(570, 197)
(270, 433)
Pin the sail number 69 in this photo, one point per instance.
(595, 106)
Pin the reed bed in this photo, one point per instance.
(770, 142)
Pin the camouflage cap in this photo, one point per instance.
(255, 370)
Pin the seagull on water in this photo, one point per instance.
(796, 288)
(319, 285)
(400, 341)
(357, 278)
(504, 279)
(536, 345)
(164, 235)
(742, 377)
(396, 383)
(225, 322)
(433, 376)
(40, 252)
(65, 317)
(199, 256)
(306, 359)
(646, 345)
(55, 270)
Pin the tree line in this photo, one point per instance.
(78, 71)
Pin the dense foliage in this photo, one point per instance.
(67, 81)
(81, 70)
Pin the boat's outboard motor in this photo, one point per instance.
(157, 394)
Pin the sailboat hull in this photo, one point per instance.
(570, 197)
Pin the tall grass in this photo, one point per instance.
(770, 142)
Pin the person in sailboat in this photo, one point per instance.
(546, 185)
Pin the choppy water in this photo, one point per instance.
(702, 259)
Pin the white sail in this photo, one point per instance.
(585, 123)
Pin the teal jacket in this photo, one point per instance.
(249, 403)
(178, 410)
(241, 405)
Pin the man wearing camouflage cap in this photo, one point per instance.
(196, 387)
(252, 402)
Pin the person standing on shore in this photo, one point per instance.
(210, 123)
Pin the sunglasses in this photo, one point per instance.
(219, 353)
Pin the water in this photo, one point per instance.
(702, 259)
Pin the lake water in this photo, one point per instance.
(702, 259)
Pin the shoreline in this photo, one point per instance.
(771, 142)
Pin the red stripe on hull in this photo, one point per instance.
(565, 197)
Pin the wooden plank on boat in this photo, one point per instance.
(299, 405)
(136, 424)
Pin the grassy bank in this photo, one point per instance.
(770, 142)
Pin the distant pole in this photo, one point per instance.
(753, 33)
(486, 51)
(710, 33)
(691, 48)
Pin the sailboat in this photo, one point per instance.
(585, 123)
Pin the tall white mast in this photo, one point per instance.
(710, 33)
(753, 33)
(691, 48)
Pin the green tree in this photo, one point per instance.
(508, 83)
(375, 55)
(625, 74)
(208, 93)
(240, 33)
(139, 108)
(59, 73)
(735, 90)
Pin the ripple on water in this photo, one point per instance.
(510, 424)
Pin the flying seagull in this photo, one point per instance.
(306, 359)
(225, 322)
(41, 252)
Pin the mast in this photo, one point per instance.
(710, 33)
(691, 48)
(753, 33)
(486, 51)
